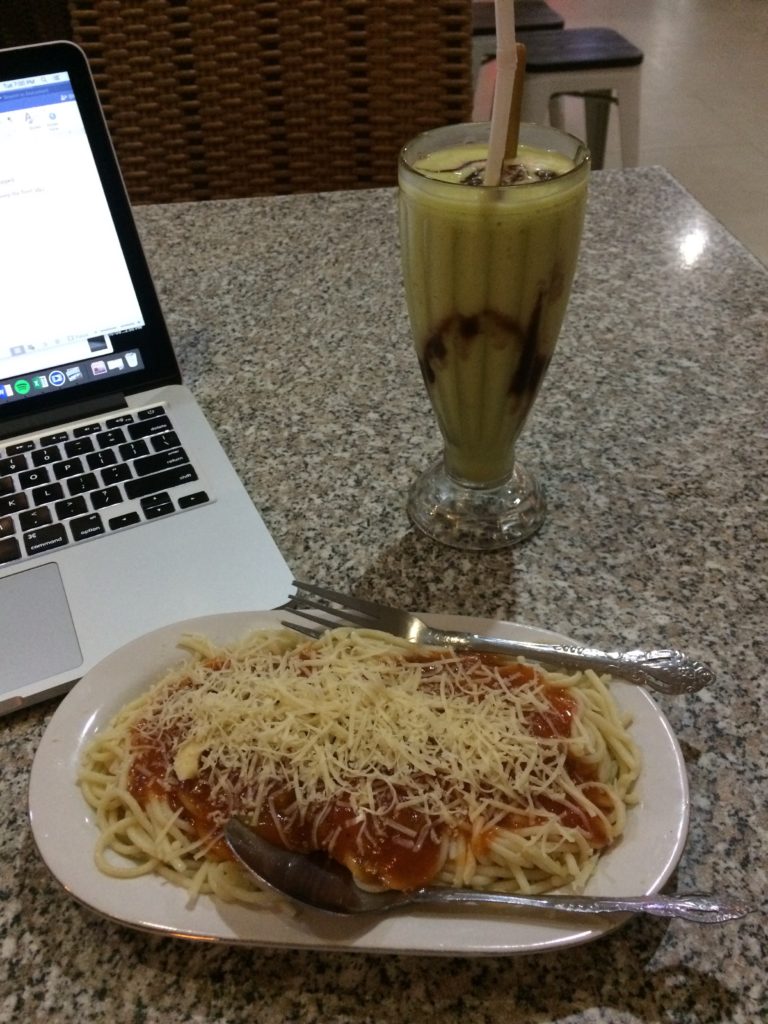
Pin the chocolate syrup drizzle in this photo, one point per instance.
(534, 357)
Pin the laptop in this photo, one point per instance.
(119, 510)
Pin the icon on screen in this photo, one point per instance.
(22, 387)
(74, 373)
(98, 368)
(57, 378)
(132, 359)
(40, 382)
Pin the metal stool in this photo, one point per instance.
(597, 64)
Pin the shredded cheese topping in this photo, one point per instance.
(348, 715)
(467, 750)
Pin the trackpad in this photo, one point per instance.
(37, 635)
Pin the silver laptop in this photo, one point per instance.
(119, 510)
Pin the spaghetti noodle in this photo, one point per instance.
(410, 765)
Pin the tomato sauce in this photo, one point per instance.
(400, 849)
(377, 852)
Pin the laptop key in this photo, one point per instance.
(17, 449)
(34, 477)
(97, 460)
(133, 450)
(86, 526)
(114, 474)
(47, 493)
(81, 484)
(34, 517)
(80, 446)
(6, 485)
(57, 438)
(87, 429)
(45, 456)
(157, 505)
(13, 503)
(13, 464)
(9, 550)
(69, 467)
(47, 537)
(162, 442)
(160, 481)
(157, 425)
(110, 438)
(7, 526)
(70, 507)
(127, 519)
(162, 460)
(190, 500)
(105, 496)
(153, 500)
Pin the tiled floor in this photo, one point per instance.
(704, 109)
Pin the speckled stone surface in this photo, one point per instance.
(650, 434)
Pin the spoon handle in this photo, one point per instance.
(699, 907)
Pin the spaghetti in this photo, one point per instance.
(410, 765)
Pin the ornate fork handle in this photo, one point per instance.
(666, 671)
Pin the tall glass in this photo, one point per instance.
(487, 274)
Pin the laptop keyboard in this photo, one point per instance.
(69, 486)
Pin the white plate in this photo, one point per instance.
(65, 833)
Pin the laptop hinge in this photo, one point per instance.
(62, 414)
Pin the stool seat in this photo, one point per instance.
(529, 15)
(576, 48)
(536, 15)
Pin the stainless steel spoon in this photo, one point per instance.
(316, 881)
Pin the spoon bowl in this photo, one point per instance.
(318, 882)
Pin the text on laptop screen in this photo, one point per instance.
(65, 288)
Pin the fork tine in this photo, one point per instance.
(299, 627)
(332, 616)
(382, 615)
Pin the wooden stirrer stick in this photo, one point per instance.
(513, 131)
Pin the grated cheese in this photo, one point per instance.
(411, 766)
(351, 715)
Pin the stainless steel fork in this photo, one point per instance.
(666, 671)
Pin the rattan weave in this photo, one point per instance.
(209, 100)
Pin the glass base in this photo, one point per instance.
(476, 518)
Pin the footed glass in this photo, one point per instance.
(487, 273)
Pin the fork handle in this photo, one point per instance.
(666, 671)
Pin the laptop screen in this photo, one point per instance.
(71, 312)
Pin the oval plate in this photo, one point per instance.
(64, 830)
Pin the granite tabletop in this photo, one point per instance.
(650, 434)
